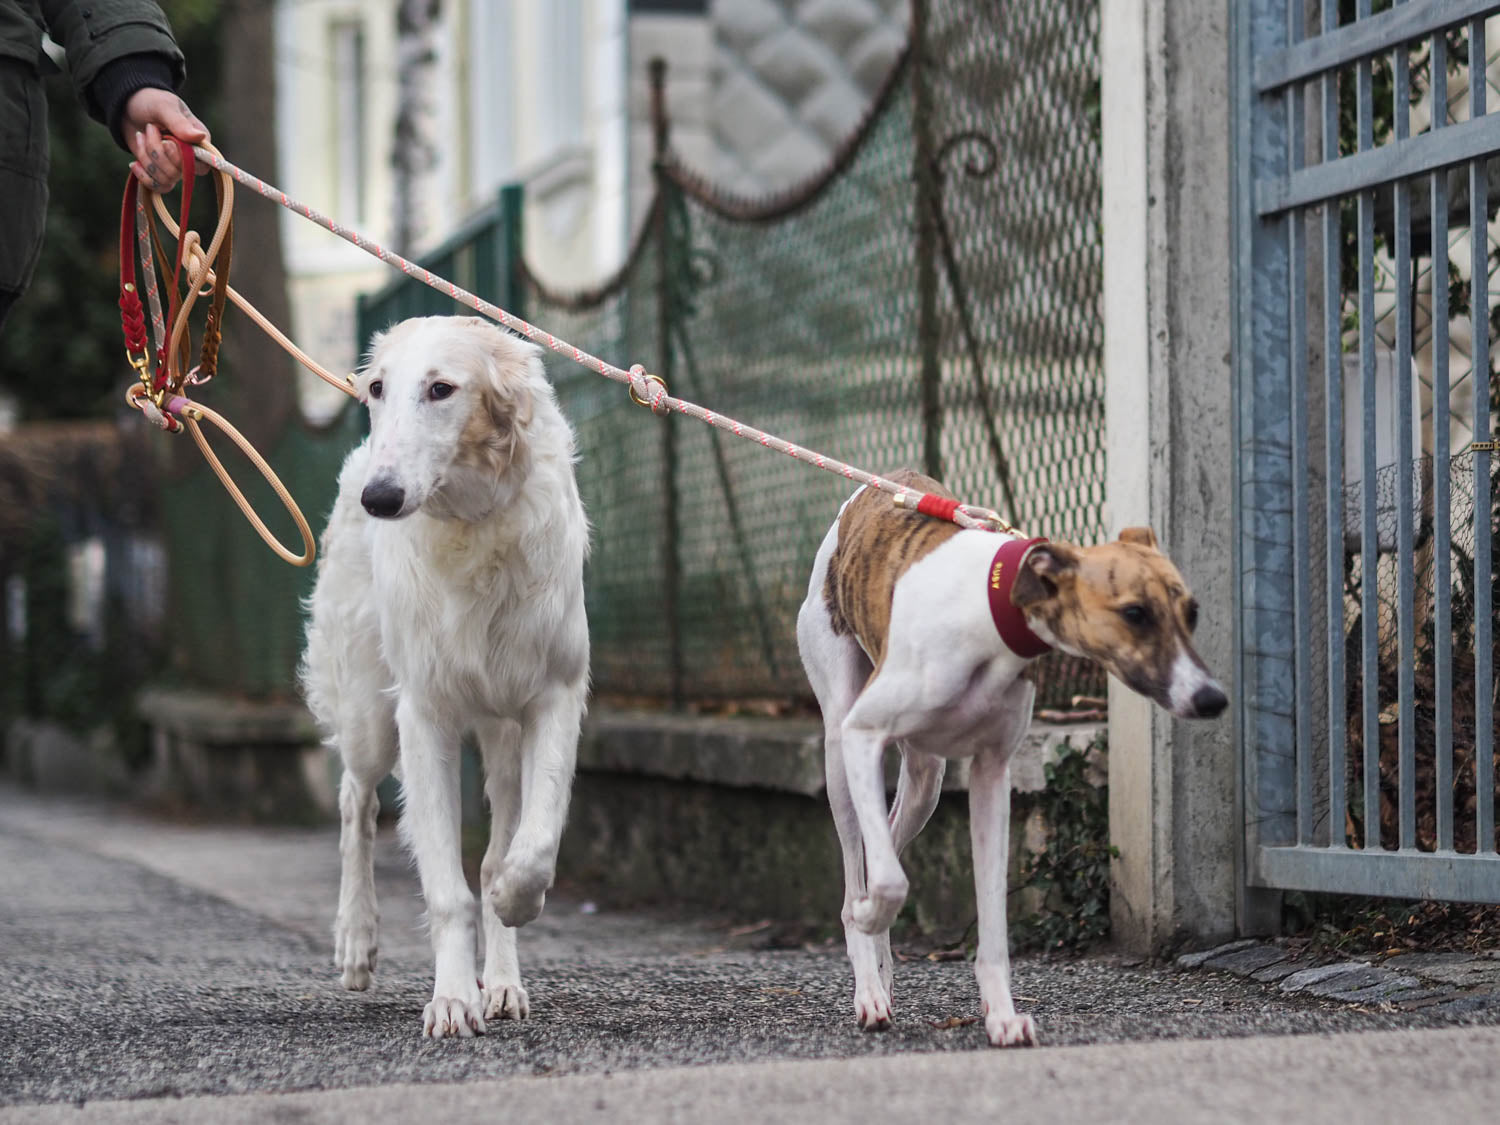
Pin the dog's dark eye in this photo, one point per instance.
(440, 391)
(375, 388)
(1192, 616)
(1136, 614)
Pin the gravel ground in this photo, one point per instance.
(197, 961)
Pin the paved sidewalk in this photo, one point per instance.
(148, 961)
(1387, 1077)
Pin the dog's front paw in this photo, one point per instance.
(506, 1001)
(354, 950)
(448, 1016)
(877, 910)
(517, 893)
(1010, 1031)
(872, 1007)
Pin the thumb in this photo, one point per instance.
(181, 123)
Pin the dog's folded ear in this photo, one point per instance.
(1043, 568)
(507, 398)
(1140, 536)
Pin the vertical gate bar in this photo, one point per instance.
(1442, 611)
(1369, 543)
(1405, 532)
(1479, 308)
(1296, 236)
(1333, 397)
(1263, 472)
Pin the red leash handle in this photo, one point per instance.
(132, 316)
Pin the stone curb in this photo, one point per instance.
(1456, 982)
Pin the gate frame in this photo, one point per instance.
(1165, 102)
(1270, 331)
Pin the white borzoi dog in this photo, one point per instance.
(449, 602)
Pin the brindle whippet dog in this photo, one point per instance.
(916, 632)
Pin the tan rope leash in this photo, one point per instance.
(161, 397)
(164, 398)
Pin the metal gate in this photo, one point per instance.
(1366, 503)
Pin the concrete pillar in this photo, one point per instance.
(1167, 119)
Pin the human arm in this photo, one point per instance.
(125, 66)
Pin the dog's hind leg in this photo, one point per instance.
(917, 791)
(837, 669)
(430, 822)
(549, 749)
(346, 684)
(989, 827)
(865, 733)
(500, 744)
(368, 750)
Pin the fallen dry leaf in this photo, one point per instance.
(946, 955)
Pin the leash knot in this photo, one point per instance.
(649, 390)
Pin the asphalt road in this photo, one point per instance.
(148, 961)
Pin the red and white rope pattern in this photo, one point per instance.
(648, 390)
(148, 273)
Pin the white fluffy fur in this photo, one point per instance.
(462, 614)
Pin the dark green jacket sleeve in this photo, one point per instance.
(95, 33)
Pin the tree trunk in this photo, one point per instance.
(258, 389)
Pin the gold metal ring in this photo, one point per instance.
(657, 379)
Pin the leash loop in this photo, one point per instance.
(195, 413)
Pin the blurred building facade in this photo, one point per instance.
(552, 94)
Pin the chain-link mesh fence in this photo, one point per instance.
(930, 300)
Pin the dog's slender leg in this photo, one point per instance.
(989, 826)
(872, 995)
(866, 731)
(355, 932)
(504, 996)
(430, 819)
(549, 749)
(917, 791)
(837, 669)
(367, 747)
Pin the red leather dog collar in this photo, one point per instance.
(1010, 622)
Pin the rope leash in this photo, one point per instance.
(165, 395)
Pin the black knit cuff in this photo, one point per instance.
(121, 78)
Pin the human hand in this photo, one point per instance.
(150, 113)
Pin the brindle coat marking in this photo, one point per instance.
(878, 543)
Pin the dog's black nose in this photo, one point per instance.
(1209, 701)
(383, 498)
